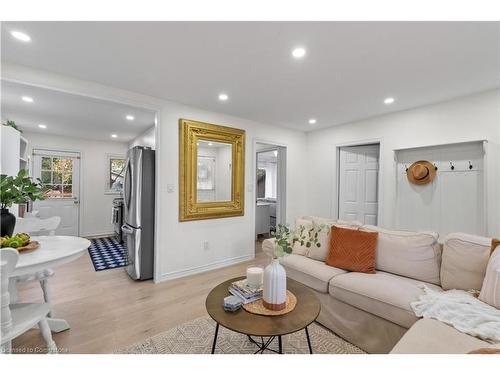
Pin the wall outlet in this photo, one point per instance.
(206, 246)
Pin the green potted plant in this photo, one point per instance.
(11, 123)
(18, 189)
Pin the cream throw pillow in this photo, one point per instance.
(299, 249)
(320, 252)
(490, 292)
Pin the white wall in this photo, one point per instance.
(230, 239)
(145, 139)
(179, 244)
(464, 119)
(95, 205)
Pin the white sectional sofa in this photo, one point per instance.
(373, 311)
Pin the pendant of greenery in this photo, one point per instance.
(19, 189)
(286, 236)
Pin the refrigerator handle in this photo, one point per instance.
(128, 184)
(126, 229)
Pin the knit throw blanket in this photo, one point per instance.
(461, 310)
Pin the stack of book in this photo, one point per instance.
(246, 293)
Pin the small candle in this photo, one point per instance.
(255, 277)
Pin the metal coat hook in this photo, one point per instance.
(470, 165)
(452, 166)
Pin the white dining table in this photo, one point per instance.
(53, 251)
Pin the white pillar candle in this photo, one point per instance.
(255, 277)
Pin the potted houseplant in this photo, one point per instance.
(11, 123)
(274, 289)
(18, 189)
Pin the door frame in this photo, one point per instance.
(336, 195)
(80, 184)
(283, 190)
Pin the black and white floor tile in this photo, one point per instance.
(107, 253)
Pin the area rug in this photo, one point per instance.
(196, 337)
(107, 253)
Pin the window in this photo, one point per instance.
(57, 177)
(115, 173)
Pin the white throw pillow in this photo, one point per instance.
(465, 258)
(412, 254)
(490, 291)
(320, 252)
(297, 247)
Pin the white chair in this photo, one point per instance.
(36, 226)
(16, 319)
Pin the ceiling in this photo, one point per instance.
(348, 71)
(72, 115)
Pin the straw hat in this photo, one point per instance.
(421, 172)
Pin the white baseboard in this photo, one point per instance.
(206, 267)
(97, 235)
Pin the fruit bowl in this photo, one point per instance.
(20, 242)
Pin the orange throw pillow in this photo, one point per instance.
(352, 250)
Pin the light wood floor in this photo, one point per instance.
(108, 311)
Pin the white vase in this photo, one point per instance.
(274, 290)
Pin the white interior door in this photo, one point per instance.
(358, 183)
(60, 175)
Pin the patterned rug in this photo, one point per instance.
(106, 253)
(196, 337)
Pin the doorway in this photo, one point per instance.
(59, 172)
(358, 171)
(270, 189)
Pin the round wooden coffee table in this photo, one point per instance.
(271, 327)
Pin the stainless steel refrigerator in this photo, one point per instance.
(139, 212)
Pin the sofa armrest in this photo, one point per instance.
(268, 246)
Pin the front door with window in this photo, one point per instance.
(59, 173)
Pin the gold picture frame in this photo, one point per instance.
(190, 134)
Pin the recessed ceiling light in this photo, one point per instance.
(312, 121)
(298, 52)
(42, 126)
(223, 97)
(114, 136)
(388, 100)
(20, 36)
(210, 144)
(27, 99)
(130, 117)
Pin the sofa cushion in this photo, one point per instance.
(465, 257)
(383, 294)
(313, 273)
(352, 250)
(490, 291)
(430, 336)
(416, 255)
